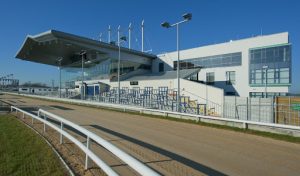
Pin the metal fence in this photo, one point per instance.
(281, 110)
(254, 109)
(283, 128)
(288, 110)
(46, 118)
(161, 98)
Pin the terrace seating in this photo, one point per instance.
(162, 98)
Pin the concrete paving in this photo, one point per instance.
(175, 148)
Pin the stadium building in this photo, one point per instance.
(250, 67)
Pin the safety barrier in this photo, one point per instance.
(166, 113)
(132, 162)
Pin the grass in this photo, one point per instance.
(23, 152)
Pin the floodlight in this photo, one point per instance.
(165, 24)
(82, 52)
(187, 16)
(123, 38)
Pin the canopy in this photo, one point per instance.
(52, 46)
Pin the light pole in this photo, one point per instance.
(83, 54)
(186, 17)
(120, 39)
(59, 64)
(265, 67)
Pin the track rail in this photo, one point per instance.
(128, 159)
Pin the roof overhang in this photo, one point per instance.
(51, 46)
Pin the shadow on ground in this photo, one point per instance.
(197, 166)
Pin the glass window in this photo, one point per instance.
(269, 94)
(210, 78)
(230, 77)
(278, 61)
(161, 67)
(175, 65)
(225, 60)
(194, 77)
(230, 93)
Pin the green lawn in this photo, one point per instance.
(23, 152)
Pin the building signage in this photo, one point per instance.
(295, 107)
(134, 83)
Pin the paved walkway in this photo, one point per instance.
(175, 148)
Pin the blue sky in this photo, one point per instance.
(213, 21)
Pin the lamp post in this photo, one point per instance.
(83, 54)
(59, 67)
(120, 39)
(187, 17)
(265, 67)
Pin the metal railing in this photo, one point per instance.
(54, 94)
(195, 117)
(131, 161)
(4, 107)
(163, 99)
(262, 110)
(167, 113)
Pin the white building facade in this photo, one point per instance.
(239, 67)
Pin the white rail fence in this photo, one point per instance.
(131, 161)
(167, 113)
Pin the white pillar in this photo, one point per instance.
(129, 36)
(100, 37)
(119, 63)
(109, 33)
(143, 36)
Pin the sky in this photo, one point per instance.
(214, 21)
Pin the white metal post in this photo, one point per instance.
(59, 67)
(100, 37)
(45, 118)
(86, 156)
(119, 63)
(82, 76)
(129, 36)
(59, 81)
(259, 105)
(266, 78)
(266, 82)
(143, 36)
(61, 136)
(109, 33)
(187, 17)
(178, 72)
(247, 108)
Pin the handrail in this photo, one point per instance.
(209, 101)
(135, 164)
(131, 161)
(88, 152)
(140, 109)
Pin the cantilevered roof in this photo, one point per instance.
(49, 47)
(165, 75)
